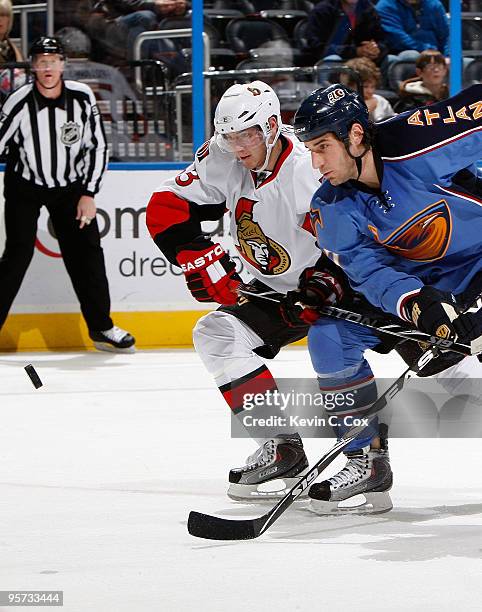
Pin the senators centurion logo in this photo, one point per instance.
(424, 237)
(269, 257)
(70, 133)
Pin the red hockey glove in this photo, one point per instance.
(319, 287)
(315, 289)
(210, 273)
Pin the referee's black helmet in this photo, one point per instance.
(333, 109)
(46, 45)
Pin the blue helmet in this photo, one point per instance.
(334, 109)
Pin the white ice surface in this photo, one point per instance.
(100, 467)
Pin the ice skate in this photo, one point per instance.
(113, 340)
(271, 471)
(367, 476)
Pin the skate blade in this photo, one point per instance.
(108, 348)
(265, 491)
(368, 503)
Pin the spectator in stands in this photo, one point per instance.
(10, 78)
(116, 24)
(9, 52)
(162, 8)
(343, 29)
(428, 86)
(75, 13)
(412, 26)
(370, 76)
(115, 97)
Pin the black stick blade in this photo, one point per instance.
(216, 528)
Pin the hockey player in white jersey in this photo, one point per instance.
(254, 169)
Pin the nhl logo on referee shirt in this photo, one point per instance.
(70, 133)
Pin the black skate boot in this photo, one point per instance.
(367, 472)
(271, 471)
(113, 340)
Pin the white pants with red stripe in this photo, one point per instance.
(225, 344)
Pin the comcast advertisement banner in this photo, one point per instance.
(140, 278)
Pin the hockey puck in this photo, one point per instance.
(34, 377)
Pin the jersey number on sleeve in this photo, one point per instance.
(186, 178)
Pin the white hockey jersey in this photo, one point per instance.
(269, 219)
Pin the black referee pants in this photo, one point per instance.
(81, 250)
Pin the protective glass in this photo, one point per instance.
(246, 139)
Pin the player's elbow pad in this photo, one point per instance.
(164, 210)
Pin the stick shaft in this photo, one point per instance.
(379, 325)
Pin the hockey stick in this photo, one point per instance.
(387, 326)
(395, 328)
(217, 528)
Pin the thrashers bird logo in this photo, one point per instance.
(424, 237)
(259, 250)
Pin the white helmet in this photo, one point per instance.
(246, 105)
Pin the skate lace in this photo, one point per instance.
(262, 456)
(356, 467)
(116, 334)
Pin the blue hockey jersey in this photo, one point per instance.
(419, 228)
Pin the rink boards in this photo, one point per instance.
(148, 294)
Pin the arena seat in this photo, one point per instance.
(220, 19)
(287, 19)
(245, 6)
(253, 32)
(473, 72)
(296, 5)
(400, 71)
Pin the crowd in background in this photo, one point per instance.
(397, 49)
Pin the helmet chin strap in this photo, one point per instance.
(357, 158)
(269, 148)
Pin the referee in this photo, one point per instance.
(56, 156)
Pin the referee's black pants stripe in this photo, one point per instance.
(81, 250)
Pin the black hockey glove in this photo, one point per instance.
(437, 313)
(210, 272)
(316, 288)
(292, 313)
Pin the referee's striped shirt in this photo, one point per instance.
(54, 143)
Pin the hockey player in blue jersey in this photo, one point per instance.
(390, 213)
